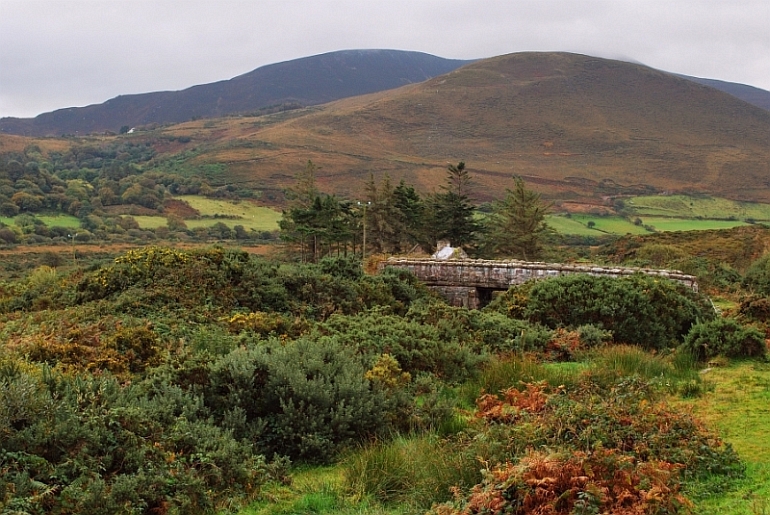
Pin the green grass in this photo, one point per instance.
(578, 224)
(243, 212)
(682, 206)
(739, 409)
(680, 224)
(241, 208)
(60, 220)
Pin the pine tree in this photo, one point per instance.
(516, 227)
(451, 216)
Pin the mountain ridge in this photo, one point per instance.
(300, 82)
(290, 84)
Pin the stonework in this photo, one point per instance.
(467, 282)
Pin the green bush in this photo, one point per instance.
(724, 337)
(758, 276)
(652, 312)
(306, 399)
(89, 445)
(417, 347)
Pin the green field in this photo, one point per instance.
(680, 224)
(244, 213)
(249, 214)
(61, 220)
(577, 224)
(681, 206)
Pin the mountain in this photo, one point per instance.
(574, 126)
(750, 94)
(300, 82)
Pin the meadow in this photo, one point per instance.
(578, 224)
(682, 206)
(228, 212)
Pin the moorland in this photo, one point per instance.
(187, 324)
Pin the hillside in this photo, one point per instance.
(574, 126)
(750, 94)
(300, 82)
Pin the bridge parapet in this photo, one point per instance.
(482, 274)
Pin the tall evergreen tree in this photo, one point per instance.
(411, 212)
(516, 227)
(451, 215)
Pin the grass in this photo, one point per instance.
(243, 212)
(578, 224)
(681, 206)
(680, 224)
(60, 220)
(739, 409)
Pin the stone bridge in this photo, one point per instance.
(470, 282)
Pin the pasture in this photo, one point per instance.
(682, 206)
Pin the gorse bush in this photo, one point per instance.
(306, 399)
(654, 313)
(724, 337)
(757, 276)
(416, 347)
(90, 445)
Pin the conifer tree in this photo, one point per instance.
(451, 215)
(516, 227)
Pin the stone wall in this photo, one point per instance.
(453, 277)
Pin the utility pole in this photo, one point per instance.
(363, 245)
(74, 257)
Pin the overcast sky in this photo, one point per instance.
(63, 53)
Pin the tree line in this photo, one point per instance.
(397, 219)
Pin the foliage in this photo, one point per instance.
(304, 399)
(724, 337)
(87, 444)
(758, 276)
(652, 312)
(416, 347)
(516, 226)
(450, 214)
(602, 481)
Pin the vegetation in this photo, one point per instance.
(186, 380)
(171, 380)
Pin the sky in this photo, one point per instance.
(65, 53)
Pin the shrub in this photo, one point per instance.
(758, 276)
(89, 445)
(416, 347)
(652, 312)
(306, 399)
(724, 337)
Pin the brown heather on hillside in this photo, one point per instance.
(575, 127)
